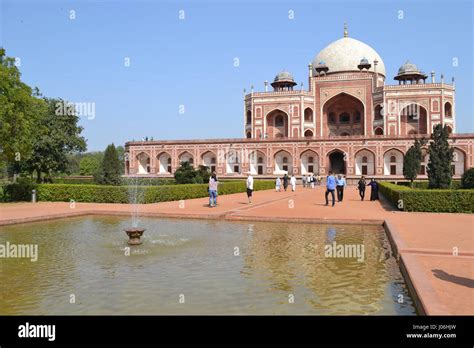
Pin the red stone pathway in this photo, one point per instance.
(435, 249)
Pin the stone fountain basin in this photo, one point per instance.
(134, 235)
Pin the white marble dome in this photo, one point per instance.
(345, 54)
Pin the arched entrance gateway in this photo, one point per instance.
(277, 124)
(337, 162)
(343, 115)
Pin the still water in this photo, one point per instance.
(200, 267)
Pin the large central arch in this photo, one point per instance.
(343, 115)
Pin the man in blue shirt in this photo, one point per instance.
(340, 186)
(330, 187)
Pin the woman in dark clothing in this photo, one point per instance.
(285, 181)
(361, 187)
(374, 192)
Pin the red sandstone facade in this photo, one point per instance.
(348, 121)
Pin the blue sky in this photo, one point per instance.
(190, 62)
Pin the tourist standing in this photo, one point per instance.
(213, 191)
(361, 187)
(374, 189)
(285, 181)
(341, 184)
(330, 187)
(293, 183)
(303, 179)
(249, 187)
(312, 181)
(217, 186)
(278, 184)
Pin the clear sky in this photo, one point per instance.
(190, 61)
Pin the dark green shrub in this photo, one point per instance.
(467, 180)
(455, 184)
(432, 200)
(19, 191)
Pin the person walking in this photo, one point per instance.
(249, 187)
(361, 187)
(285, 181)
(330, 187)
(213, 191)
(312, 181)
(293, 183)
(278, 184)
(303, 179)
(340, 185)
(374, 189)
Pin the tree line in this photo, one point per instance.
(39, 141)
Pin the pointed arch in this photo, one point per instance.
(309, 161)
(393, 161)
(283, 161)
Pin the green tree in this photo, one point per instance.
(185, 174)
(203, 174)
(89, 165)
(58, 135)
(467, 180)
(412, 161)
(441, 156)
(20, 108)
(110, 168)
(121, 156)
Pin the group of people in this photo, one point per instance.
(334, 185)
(285, 181)
(310, 180)
(338, 184)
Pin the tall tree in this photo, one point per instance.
(412, 161)
(441, 157)
(110, 169)
(121, 156)
(58, 135)
(20, 108)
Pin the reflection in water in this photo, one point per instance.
(85, 259)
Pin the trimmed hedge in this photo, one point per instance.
(125, 181)
(424, 200)
(455, 184)
(74, 181)
(149, 194)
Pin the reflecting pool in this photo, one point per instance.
(85, 266)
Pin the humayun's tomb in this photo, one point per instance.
(348, 120)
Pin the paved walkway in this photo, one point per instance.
(436, 250)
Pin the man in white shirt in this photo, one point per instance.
(293, 183)
(249, 187)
